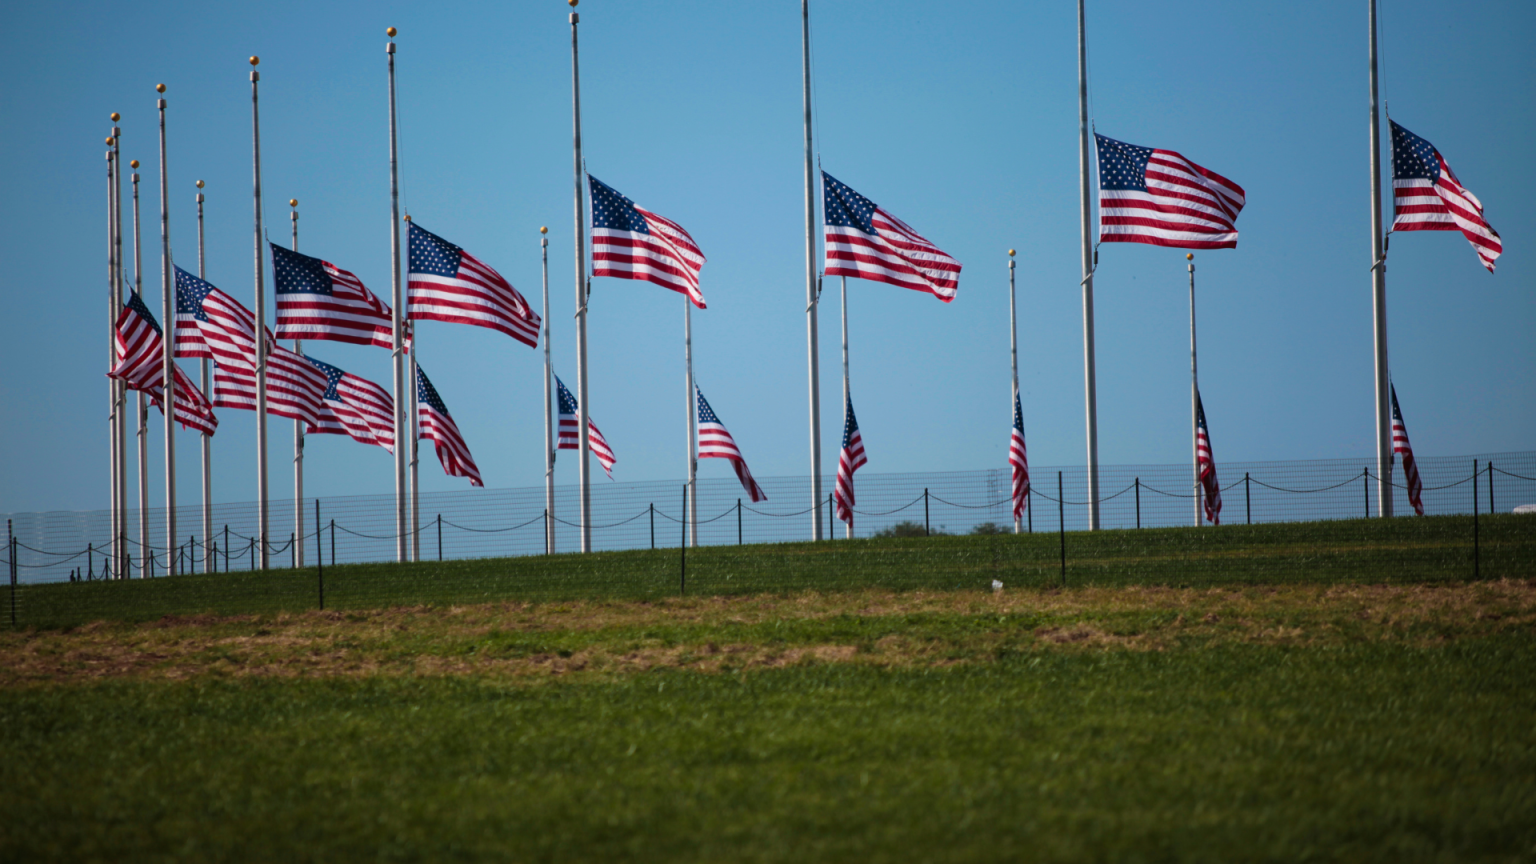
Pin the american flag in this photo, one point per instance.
(849, 460)
(226, 331)
(140, 366)
(1019, 459)
(631, 242)
(716, 443)
(1426, 196)
(318, 300)
(1160, 198)
(865, 241)
(1410, 468)
(1207, 464)
(570, 432)
(449, 284)
(355, 406)
(435, 424)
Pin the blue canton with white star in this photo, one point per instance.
(137, 304)
(845, 208)
(1413, 158)
(851, 425)
(612, 210)
(567, 401)
(432, 254)
(1018, 415)
(1122, 165)
(425, 392)
(298, 274)
(332, 377)
(190, 294)
(706, 413)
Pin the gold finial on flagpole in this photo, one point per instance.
(134, 164)
(572, 2)
(199, 184)
(159, 88)
(293, 202)
(109, 140)
(1010, 253)
(390, 32)
(255, 61)
(407, 217)
(1189, 256)
(116, 116)
(543, 229)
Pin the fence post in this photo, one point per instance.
(653, 526)
(1491, 511)
(13, 571)
(1365, 485)
(1029, 506)
(293, 551)
(333, 542)
(1248, 497)
(1138, 502)
(226, 548)
(439, 537)
(829, 516)
(926, 529)
(253, 554)
(90, 561)
(151, 573)
(1061, 524)
(682, 543)
(319, 557)
(192, 553)
(1476, 552)
(738, 521)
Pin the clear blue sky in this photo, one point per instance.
(959, 119)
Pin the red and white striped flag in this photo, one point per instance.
(434, 424)
(570, 430)
(1426, 196)
(449, 284)
(1018, 459)
(849, 459)
(318, 300)
(1160, 198)
(1400, 446)
(865, 241)
(355, 406)
(1207, 464)
(716, 443)
(141, 366)
(631, 242)
(295, 389)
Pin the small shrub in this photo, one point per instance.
(989, 528)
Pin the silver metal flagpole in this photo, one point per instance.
(843, 295)
(168, 359)
(397, 352)
(549, 418)
(583, 291)
(1379, 303)
(1194, 387)
(1013, 349)
(810, 277)
(262, 504)
(298, 433)
(693, 459)
(113, 305)
(1090, 388)
(207, 442)
(120, 402)
(413, 424)
(141, 411)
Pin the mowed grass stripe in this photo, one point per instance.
(1376, 550)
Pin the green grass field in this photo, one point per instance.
(1331, 692)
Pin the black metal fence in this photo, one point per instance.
(483, 523)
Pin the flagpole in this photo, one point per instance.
(1086, 211)
(141, 412)
(167, 343)
(810, 278)
(1379, 303)
(843, 297)
(1194, 387)
(397, 331)
(1013, 349)
(262, 504)
(114, 303)
(114, 307)
(298, 432)
(203, 382)
(691, 406)
(582, 293)
(549, 420)
(120, 405)
(412, 424)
